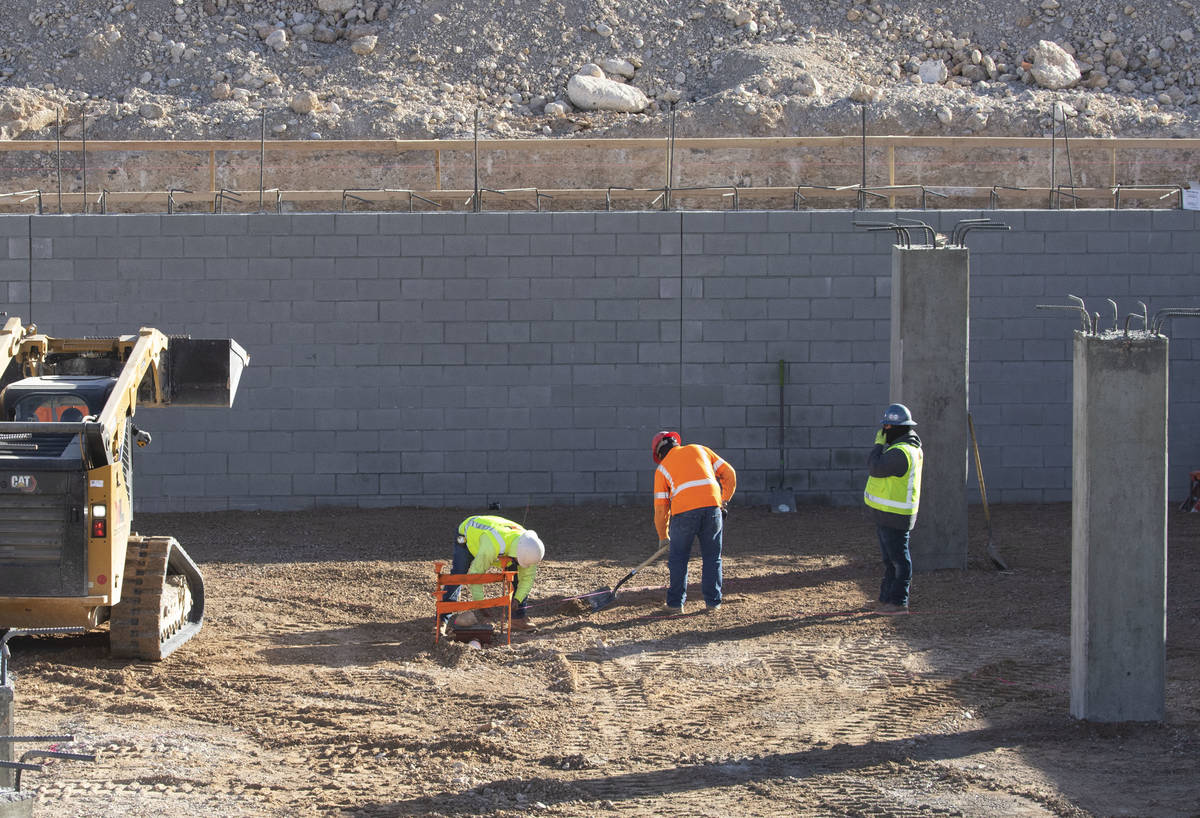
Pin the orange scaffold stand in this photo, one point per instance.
(506, 578)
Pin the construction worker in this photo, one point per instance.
(488, 541)
(893, 493)
(692, 487)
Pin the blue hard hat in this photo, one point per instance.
(897, 415)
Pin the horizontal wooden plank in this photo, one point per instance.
(967, 143)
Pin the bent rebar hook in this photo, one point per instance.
(1088, 323)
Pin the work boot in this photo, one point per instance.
(672, 610)
(713, 609)
(522, 623)
(891, 609)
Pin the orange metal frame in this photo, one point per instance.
(505, 578)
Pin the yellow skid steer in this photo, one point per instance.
(68, 557)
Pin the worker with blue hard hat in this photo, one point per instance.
(893, 494)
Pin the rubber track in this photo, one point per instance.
(136, 621)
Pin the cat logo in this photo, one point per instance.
(23, 482)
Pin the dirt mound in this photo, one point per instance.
(342, 69)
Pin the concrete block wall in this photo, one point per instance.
(462, 359)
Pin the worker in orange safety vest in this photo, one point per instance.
(692, 488)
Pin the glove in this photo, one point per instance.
(880, 439)
(663, 543)
(724, 511)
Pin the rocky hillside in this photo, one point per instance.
(342, 69)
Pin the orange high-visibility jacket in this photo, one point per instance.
(690, 477)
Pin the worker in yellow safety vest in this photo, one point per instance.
(489, 541)
(692, 489)
(893, 494)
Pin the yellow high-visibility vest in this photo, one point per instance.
(898, 495)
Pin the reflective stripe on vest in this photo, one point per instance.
(496, 533)
(898, 495)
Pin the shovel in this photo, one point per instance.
(992, 551)
(604, 597)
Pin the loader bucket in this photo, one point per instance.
(204, 372)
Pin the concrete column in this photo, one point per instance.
(930, 297)
(1119, 528)
(6, 729)
(16, 805)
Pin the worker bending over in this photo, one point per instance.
(488, 541)
(692, 486)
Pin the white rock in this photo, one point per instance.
(364, 45)
(556, 110)
(277, 39)
(151, 110)
(592, 70)
(222, 91)
(144, 78)
(806, 85)
(933, 71)
(304, 102)
(622, 68)
(945, 116)
(866, 93)
(977, 121)
(1186, 35)
(596, 94)
(335, 6)
(604, 29)
(1053, 67)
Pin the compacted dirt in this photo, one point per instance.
(315, 687)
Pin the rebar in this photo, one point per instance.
(902, 234)
(925, 192)
(171, 197)
(925, 227)
(223, 194)
(1088, 324)
(1161, 316)
(4, 653)
(994, 197)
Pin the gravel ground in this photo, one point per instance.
(315, 687)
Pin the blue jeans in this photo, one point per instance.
(459, 564)
(897, 565)
(705, 524)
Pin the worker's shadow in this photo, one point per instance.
(356, 645)
(638, 606)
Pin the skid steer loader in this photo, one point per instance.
(67, 554)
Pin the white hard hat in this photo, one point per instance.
(530, 549)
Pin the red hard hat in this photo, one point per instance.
(658, 447)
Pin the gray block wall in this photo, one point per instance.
(461, 359)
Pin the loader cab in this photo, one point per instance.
(60, 398)
(51, 399)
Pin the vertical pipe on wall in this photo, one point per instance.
(262, 155)
(681, 320)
